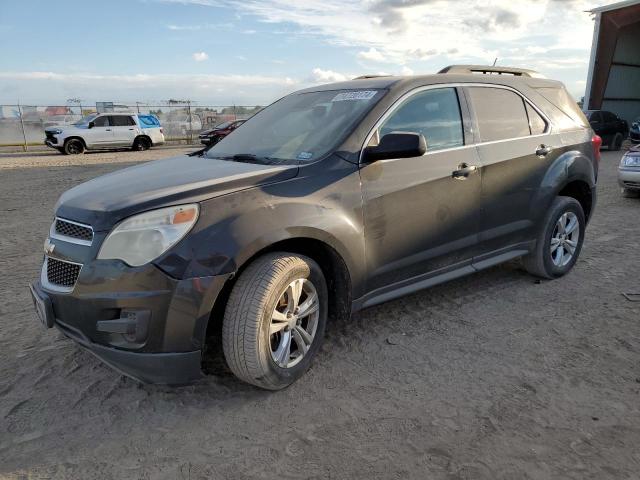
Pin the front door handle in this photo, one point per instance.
(131, 129)
(464, 170)
(107, 130)
(543, 150)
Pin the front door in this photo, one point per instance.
(419, 218)
(100, 134)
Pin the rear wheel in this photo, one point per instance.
(141, 143)
(275, 319)
(73, 146)
(559, 240)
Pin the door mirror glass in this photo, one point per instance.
(91, 124)
(396, 145)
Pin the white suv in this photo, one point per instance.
(106, 130)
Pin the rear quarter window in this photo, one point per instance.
(561, 99)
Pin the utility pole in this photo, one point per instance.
(24, 135)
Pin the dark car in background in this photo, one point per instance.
(331, 200)
(217, 133)
(612, 129)
(634, 131)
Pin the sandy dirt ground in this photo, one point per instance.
(493, 376)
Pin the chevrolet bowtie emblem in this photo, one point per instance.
(48, 246)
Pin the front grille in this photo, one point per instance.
(51, 137)
(73, 230)
(634, 135)
(61, 273)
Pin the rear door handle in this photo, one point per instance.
(464, 170)
(543, 150)
(107, 130)
(131, 129)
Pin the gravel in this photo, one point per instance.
(492, 376)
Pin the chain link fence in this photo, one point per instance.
(24, 125)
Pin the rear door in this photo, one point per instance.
(124, 129)
(516, 150)
(418, 219)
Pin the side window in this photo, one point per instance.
(120, 121)
(609, 117)
(500, 113)
(131, 121)
(596, 117)
(537, 124)
(101, 121)
(433, 113)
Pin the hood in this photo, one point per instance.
(104, 201)
(64, 128)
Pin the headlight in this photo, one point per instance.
(630, 161)
(56, 131)
(144, 237)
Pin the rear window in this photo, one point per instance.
(559, 97)
(500, 113)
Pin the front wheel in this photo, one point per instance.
(274, 321)
(616, 142)
(559, 240)
(73, 147)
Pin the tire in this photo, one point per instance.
(249, 347)
(630, 193)
(73, 146)
(616, 142)
(545, 263)
(61, 150)
(141, 143)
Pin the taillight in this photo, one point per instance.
(596, 142)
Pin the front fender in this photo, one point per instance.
(233, 228)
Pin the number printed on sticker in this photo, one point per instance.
(356, 95)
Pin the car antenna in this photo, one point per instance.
(494, 62)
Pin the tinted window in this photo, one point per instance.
(595, 117)
(500, 113)
(121, 121)
(101, 122)
(609, 117)
(537, 124)
(433, 113)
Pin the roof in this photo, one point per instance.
(615, 6)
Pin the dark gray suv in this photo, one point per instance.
(331, 200)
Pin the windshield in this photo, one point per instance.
(86, 119)
(223, 125)
(301, 127)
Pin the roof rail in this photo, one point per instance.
(484, 69)
(365, 77)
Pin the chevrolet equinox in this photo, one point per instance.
(331, 200)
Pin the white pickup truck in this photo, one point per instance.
(105, 131)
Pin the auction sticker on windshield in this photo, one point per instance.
(357, 95)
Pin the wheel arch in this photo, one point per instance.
(75, 137)
(331, 262)
(143, 136)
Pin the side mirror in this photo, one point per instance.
(396, 145)
(91, 124)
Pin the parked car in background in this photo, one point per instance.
(333, 199)
(612, 129)
(629, 173)
(634, 131)
(104, 131)
(217, 133)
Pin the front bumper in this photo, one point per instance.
(140, 321)
(629, 178)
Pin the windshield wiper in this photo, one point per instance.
(251, 158)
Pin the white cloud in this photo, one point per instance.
(406, 71)
(200, 56)
(371, 54)
(319, 75)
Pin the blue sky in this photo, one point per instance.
(253, 51)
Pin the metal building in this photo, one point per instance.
(613, 81)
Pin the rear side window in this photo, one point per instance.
(433, 113)
(537, 124)
(501, 113)
(121, 121)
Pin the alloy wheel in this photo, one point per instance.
(564, 239)
(294, 322)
